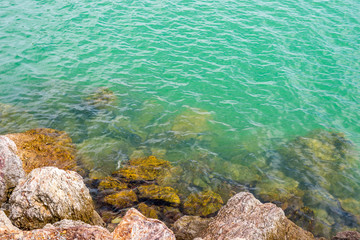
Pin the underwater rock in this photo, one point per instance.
(45, 147)
(110, 183)
(147, 112)
(191, 123)
(143, 169)
(347, 235)
(238, 172)
(134, 225)
(190, 227)
(11, 169)
(147, 211)
(245, 217)
(159, 193)
(47, 195)
(122, 199)
(101, 98)
(203, 204)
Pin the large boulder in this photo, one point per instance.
(43, 147)
(6, 225)
(245, 217)
(10, 167)
(134, 225)
(47, 195)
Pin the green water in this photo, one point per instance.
(255, 74)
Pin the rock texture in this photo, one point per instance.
(10, 167)
(134, 225)
(5, 224)
(245, 217)
(347, 235)
(45, 147)
(48, 195)
(190, 227)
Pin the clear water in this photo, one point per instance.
(259, 72)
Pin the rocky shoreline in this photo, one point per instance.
(44, 196)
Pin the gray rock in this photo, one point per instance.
(245, 217)
(48, 195)
(11, 169)
(5, 224)
(190, 227)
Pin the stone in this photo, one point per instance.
(347, 235)
(43, 147)
(143, 169)
(11, 169)
(101, 98)
(110, 183)
(122, 199)
(245, 217)
(134, 225)
(190, 227)
(159, 193)
(47, 195)
(203, 204)
(147, 211)
(65, 229)
(5, 224)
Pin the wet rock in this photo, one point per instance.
(122, 199)
(47, 195)
(45, 147)
(190, 227)
(245, 217)
(147, 211)
(203, 204)
(101, 98)
(347, 235)
(144, 169)
(10, 168)
(110, 183)
(65, 229)
(159, 193)
(134, 225)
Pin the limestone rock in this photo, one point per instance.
(245, 217)
(47, 195)
(134, 225)
(10, 167)
(155, 192)
(190, 227)
(45, 147)
(347, 235)
(122, 199)
(203, 204)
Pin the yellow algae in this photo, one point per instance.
(122, 199)
(203, 204)
(155, 192)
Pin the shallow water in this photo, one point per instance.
(216, 82)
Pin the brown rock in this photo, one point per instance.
(134, 225)
(110, 183)
(190, 227)
(147, 211)
(122, 199)
(203, 204)
(347, 235)
(45, 147)
(155, 192)
(245, 217)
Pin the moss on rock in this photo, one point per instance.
(203, 204)
(122, 199)
(159, 193)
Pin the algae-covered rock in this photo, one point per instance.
(147, 112)
(101, 98)
(190, 227)
(144, 169)
(203, 204)
(191, 123)
(147, 211)
(122, 199)
(159, 193)
(110, 183)
(47, 195)
(45, 147)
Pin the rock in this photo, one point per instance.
(109, 183)
(65, 229)
(144, 169)
(5, 224)
(347, 235)
(159, 193)
(122, 199)
(147, 211)
(134, 225)
(45, 147)
(10, 168)
(47, 195)
(245, 217)
(101, 98)
(203, 204)
(190, 227)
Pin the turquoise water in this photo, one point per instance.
(255, 74)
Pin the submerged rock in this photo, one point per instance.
(47, 195)
(45, 147)
(203, 204)
(11, 169)
(159, 193)
(245, 217)
(147, 211)
(122, 199)
(110, 183)
(134, 225)
(101, 98)
(190, 227)
(347, 235)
